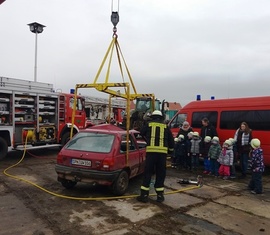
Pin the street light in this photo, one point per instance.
(36, 28)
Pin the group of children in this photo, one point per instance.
(219, 161)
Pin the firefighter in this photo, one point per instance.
(160, 142)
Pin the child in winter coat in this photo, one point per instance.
(188, 145)
(204, 151)
(257, 167)
(180, 149)
(173, 157)
(213, 154)
(195, 150)
(232, 168)
(225, 160)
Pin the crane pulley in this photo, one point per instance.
(115, 19)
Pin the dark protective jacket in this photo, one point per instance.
(180, 148)
(184, 132)
(209, 130)
(158, 137)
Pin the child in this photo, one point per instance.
(232, 168)
(225, 160)
(195, 150)
(188, 146)
(204, 151)
(180, 152)
(173, 157)
(213, 154)
(257, 167)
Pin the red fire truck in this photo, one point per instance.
(33, 110)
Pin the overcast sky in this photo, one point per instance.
(175, 49)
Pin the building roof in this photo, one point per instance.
(174, 106)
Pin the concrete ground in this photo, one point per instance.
(218, 207)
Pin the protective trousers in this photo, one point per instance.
(155, 164)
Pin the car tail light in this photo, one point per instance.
(60, 158)
(108, 163)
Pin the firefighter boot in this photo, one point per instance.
(160, 196)
(144, 196)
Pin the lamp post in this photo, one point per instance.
(36, 28)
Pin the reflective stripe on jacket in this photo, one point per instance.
(158, 137)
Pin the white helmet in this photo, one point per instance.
(228, 142)
(207, 139)
(190, 134)
(196, 134)
(181, 137)
(232, 140)
(215, 139)
(157, 113)
(176, 139)
(255, 143)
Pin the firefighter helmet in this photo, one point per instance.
(157, 113)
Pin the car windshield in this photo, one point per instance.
(91, 142)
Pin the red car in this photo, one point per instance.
(98, 155)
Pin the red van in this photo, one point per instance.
(226, 115)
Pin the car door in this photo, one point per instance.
(133, 159)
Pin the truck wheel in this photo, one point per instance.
(65, 138)
(68, 184)
(3, 148)
(120, 185)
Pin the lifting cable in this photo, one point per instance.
(109, 52)
(80, 198)
(115, 21)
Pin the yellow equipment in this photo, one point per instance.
(128, 91)
(125, 90)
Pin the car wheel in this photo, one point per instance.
(68, 184)
(121, 183)
(3, 148)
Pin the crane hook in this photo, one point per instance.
(114, 20)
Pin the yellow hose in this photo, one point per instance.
(78, 198)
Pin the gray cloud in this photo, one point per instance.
(175, 49)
